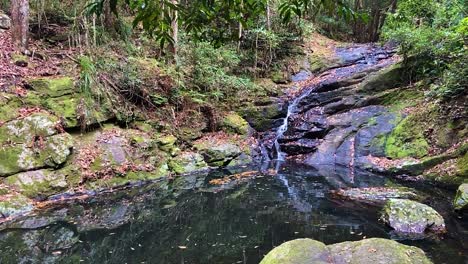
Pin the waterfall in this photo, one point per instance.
(284, 127)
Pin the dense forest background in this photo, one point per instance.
(214, 50)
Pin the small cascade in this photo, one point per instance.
(292, 107)
(354, 60)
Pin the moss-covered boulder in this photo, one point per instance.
(376, 250)
(187, 162)
(407, 216)
(33, 142)
(217, 151)
(52, 86)
(264, 117)
(166, 143)
(37, 184)
(373, 250)
(234, 123)
(14, 204)
(299, 251)
(461, 198)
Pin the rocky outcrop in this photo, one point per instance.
(373, 250)
(187, 162)
(220, 149)
(461, 198)
(39, 183)
(33, 142)
(13, 204)
(407, 216)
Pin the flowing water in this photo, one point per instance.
(354, 60)
(189, 220)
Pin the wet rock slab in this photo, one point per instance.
(373, 250)
(375, 195)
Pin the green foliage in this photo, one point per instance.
(434, 35)
(87, 74)
(211, 72)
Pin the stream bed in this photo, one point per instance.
(190, 220)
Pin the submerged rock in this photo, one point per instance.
(373, 250)
(375, 195)
(461, 198)
(412, 217)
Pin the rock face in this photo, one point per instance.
(5, 21)
(373, 250)
(407, 216)
(335, 120)
(33, 142)
(15, 204)
(461, 198)
(38, 184)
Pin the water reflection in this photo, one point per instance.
(189, 220)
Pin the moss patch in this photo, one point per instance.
(407, 140)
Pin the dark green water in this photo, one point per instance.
(190, 221)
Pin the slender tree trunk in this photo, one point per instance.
(268, 15)
(20, 24)
(175, 31)
(109, 18)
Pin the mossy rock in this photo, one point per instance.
(461, 198)
(52, 86)
(15, 204)
(26, 130)
(376, 250)
(234, 123)
(385, 79)
(407, 216)
(216, 153)
(187, 162)
(167, 144)
(31, 143)
(298, 251)
(373, 250)
(37, 184)
(407, 140)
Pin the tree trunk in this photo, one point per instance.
(20, 24)
(109, 19)
(175, 31)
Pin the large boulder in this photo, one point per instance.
(407, 216)
(33, 142)
(234, 123)
(219, 149)
(373, 250)
(376, 250)
(299, 251)
(187, 162)
(37, 184)
(461, 198)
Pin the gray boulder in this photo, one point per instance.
(407, 216)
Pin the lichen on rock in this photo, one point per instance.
(461, 198)
(407, 216)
